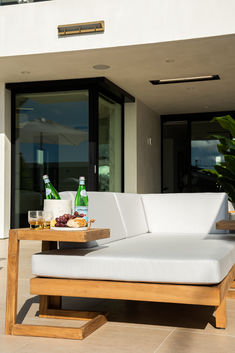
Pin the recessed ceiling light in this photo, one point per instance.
(185, 79)
(25, 72)
(101, 67)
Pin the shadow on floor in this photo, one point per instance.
(137, 312)
(25, 308)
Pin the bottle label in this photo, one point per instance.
(82, 211)
(46, 180)
(48, 192)
(83, 193)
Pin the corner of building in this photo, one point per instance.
(5, 160)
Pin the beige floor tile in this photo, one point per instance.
(210, 326)
(230, 305)
(189, 342)
(105, 339)
(12, 344)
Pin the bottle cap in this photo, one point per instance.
(45, 177)
(82, 178)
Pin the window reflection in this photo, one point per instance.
(51, 138)
(110, 160)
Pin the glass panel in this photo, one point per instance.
(175, 158)
(204, 154)
(51, 138)
(110, 145)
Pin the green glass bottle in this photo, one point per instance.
(81, 200)
(51, 192)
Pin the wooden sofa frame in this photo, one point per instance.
(52, 289)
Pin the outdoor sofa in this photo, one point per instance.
(162, 248)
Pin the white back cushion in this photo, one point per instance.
(68, 195)
(132, 211)
(103, 207)
(185, 213)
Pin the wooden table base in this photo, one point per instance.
(62, 331)
(49, 305)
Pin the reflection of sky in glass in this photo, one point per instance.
(73, 114)
(204, 153)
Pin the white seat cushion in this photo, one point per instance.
(103, 207)
(133, 215)
(144, 258)
(185, 213)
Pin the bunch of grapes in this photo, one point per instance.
(62, 220)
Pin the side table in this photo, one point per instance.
(225, 225)
(228, 225)
(49, 240)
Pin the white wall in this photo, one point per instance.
(5, 160)
(32, 28)
(148, 150)
(130, 148)
(142, 157)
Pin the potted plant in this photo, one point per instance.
(225, 171)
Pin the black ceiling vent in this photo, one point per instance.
(185, 79)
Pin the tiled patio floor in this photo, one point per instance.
(132, 326)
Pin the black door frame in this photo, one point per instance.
(94, 86)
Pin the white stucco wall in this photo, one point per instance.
(32, 28)
(148, 150)
(130, 148)
(5, 160)
(142, 149)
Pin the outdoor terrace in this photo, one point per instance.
(132, 326)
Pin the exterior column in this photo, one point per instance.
(5, 160)
(130, 148)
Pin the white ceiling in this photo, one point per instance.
(132, 67)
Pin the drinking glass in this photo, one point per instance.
(47, 217)
(35, 219)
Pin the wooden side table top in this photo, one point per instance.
(61, 235)
(225, 225)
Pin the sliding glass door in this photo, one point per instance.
(51, 137)
(110, 145)
(188, 149)
(65, 129)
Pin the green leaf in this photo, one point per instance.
(228, 188)
(211, 171)
(223, 171)
(227, 123)
(230, 163)
(225, 142)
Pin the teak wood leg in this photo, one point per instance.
(220, 315)
(231, 292)
(12, 282)
(49, 302)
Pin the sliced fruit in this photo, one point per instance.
(53, 223)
